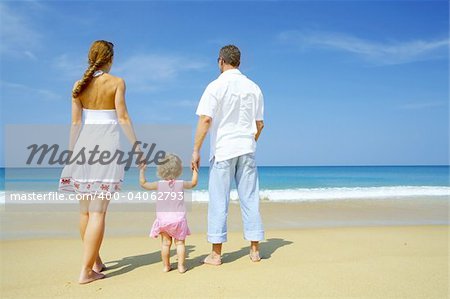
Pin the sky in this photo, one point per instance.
(344, 82)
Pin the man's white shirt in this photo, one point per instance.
(234, 103)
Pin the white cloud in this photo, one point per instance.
(422, 105)
(147, 72)
(17, 35)
(30, 55)
(142, 72)
(385, 53)
(24, 91)
(69, 67)
(183, 103)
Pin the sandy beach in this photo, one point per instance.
(300, 259)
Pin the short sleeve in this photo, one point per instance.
(208, 103)
(260, 106)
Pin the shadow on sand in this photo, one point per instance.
(129, 263)
(266, 249)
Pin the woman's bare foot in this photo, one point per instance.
(182, 268)
(88, 276)
(167, 268)
(213, 259)
(98, 265)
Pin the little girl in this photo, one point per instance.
(170, 209)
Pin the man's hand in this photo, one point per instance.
(204, 122)
(195, 163)
(259, 127)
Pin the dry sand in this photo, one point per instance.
(298, 261)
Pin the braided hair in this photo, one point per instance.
(100, 53)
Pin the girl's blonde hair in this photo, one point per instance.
(171, 167)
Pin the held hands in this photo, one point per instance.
(195, 162)
(142, 166)
(141, 160)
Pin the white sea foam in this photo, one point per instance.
(304, 194)
(317, 194)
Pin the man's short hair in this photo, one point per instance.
(231, 55)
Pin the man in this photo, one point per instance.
(231, 109)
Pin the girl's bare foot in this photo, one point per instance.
(167, 268)
(182, 268)
(88, 276)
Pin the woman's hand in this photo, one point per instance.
(141, 160)
(142, 166)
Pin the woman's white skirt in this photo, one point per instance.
(97, 169)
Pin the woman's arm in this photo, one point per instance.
(143, 182)
(193, 182)
(122, 112)
(75, 128)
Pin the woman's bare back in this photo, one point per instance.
(100, 93)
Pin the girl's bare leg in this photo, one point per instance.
(166, 242)
(181, 254)
(93, 238)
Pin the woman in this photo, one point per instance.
(100, 98)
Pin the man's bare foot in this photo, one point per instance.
(254, 256)
(213, 259)
(182, 268)
(167, 268)
(89, 276)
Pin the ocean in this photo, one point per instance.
(280, 183)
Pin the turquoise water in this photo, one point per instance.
(281, 182)
(271, 177)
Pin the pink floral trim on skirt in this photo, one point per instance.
(68, 184)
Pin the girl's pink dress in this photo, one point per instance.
(170, 211)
